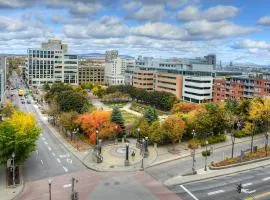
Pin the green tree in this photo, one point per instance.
(72, 101)
(150, 115)
(155, 133)
(117, 118)
(67, 119)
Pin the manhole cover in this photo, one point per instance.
(106, 183)
(112, 166)
(116, 183)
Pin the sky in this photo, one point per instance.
(235, 30)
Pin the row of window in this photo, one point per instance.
(196, 94)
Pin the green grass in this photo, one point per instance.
(142, 107)
(129, 118)
(119, 105)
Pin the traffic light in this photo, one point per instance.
(239, 188)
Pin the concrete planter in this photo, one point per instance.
(238, 164)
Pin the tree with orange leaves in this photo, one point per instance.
(96, 120)
(174, 127)
(185, 107)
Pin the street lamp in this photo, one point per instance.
(146, 153)
(138, 138)
(50, 190)
(97, 137)
(193, 153)
(115, 134)
(206, 154)
(99, 146)
(142, 153)
(127, 152)
(266, 143)
(13, 158)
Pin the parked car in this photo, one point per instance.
(23, 102)
(28, 101)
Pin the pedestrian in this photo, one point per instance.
(133, 156)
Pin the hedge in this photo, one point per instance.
(214, 139)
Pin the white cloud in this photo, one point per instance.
(132, 5)
(252, 45)
(265, 21)
(205, 30)
(106, 27)
(216, 13)
(10, 24)
(149, 13)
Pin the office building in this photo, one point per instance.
(55, 45)
(115, 71)
(171, 83)
(91, 71)
(131, 68)
(211, 60)
(51, 65)
(197, 89)
(144, 79)
(111, 55)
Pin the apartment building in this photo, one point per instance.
(91, 71)
(197, 89)
(171, 83)
(51, 64)
(115, 71)
(3, 79)
(144, 79)
(239, 87)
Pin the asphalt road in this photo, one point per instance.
(256, 183)
(51, 158)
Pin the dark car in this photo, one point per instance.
(28, 101)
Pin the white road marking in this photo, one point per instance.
(43, 138)
(49, 148)
(64, 156)
(53, 154)
(69, 160)
(66, 170)
(215, 192)
(247, 184)
(41, 162)
(67, 185)
(46, 143)
(195, 198)
(266, 179)
(58, 160)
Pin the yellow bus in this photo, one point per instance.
(20, 92)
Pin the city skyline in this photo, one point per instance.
(234, 30)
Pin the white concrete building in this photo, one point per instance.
(197, 88)
(115, 71)
(131, 68)
(51, 65)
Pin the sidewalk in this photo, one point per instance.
(7, 193)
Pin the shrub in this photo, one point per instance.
(214, 139)
(206, 153)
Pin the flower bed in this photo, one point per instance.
(247, 157)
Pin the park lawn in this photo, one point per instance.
(139, 107)
(119, 105)
(128, 117)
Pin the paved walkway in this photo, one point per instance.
(8, 193)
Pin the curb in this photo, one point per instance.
(239, 164)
